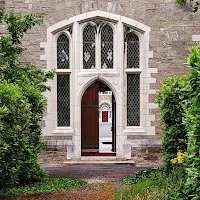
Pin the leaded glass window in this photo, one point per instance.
(132, 50)
(133, 99)
(89, 47)
(63, 52)
(107, 47)
(63, 100)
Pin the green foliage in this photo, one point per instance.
(22, 106)
(192, 122)
(158, 184)
(18, 25)
(147, 173)
(194, 3)
(172, 98)
(48, 185)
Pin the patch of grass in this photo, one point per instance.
(154, 185)
(147, 173)
(48, 185)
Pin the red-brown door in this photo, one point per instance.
(104, 116)
(90, 119)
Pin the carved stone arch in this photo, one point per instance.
(91, 81)
(105, 105)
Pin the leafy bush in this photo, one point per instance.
(21, 106)
(192, 122)
(172, 97)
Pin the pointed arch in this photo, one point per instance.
(133, 50)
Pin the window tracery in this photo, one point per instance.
(63, 58)
(107, 47)
(89, 47)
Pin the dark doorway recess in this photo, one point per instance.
(90, 121)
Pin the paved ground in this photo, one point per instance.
(94, 173)
(103, 182)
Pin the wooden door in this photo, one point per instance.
(104, 116)
(113, 124)
(90, 119)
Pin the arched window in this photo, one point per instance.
(133, 99)
(132, 50)
(107, 47)
(63, 52)
(63, 82)
(63, 100)
(89, 47)
(133, 80)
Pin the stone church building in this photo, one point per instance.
(121, 49)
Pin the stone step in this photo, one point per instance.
(102, 158)
(82, 162)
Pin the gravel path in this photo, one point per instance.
(103, 182)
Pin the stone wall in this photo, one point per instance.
(172, 27)
(147, 156)
(55, 152)
(52, 157)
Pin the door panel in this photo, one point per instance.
(113, 124)
(90, 119)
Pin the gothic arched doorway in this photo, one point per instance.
(90, 121)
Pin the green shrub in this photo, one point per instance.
(172, 97)
(192, 122)
(21, 106)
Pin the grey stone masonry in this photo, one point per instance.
(172, 30)
(172, 27)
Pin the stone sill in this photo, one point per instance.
(63, 131)
(144, 143)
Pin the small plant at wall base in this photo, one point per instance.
(193, 3)
(21, 105)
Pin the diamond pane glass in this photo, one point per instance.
(107, 47)
(133, 99)
(63, 52)
(88, 47)
(132, 51)
(63, 100)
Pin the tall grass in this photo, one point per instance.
(157, 185)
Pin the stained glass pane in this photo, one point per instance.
(63, 100)
(88, 47)
(132, 51)
(133, 99)
(107, 47)
(63, 52)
